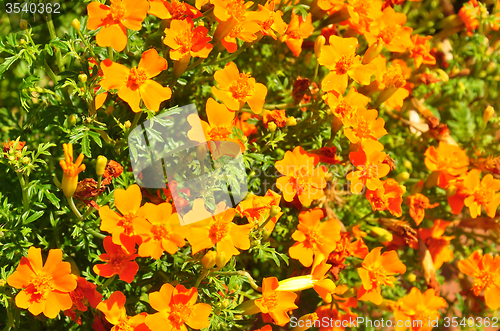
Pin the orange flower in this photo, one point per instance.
(448, 160)
(469, 14)
(271, 22)
(162, 234)
(120, 260)
(486, 273)
(362, 13)
(341, 59)
(340, 311)
(418, 204)
(115, 20)
(177, 308)
(365, 125)
(225, 10)
(300, 177)
(346, 107)
(265, 328)
(276, 303)
(392, 81)
(314, 238)
(344, 249)
(420, 52)
(46, 287)
(369, 162)
(437, 243)
(71, 170)
(277, 116)
(236, 89)
(257, 209)
(128, 202)
(244, 125)
(175, 10)
(389, 31)
(417, 309)
(135, 84)
(298, 30)
(186, 41)
(481, 193)
(377, 270)
(389, 197)
(84, 294)
(218, 230)
(115, 312)
(331, 6)
(245, 30)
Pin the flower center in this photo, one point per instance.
(270, 301)
(363, 129)
(123, 326)
(237, 9)
(118, 11)
(219, 133)
(137, 77)
(394, 76)
(159, 232)
(344, 64)
(387, 34)
(38, 289)
(184, 39)
(313, 238)
(179, 314)
(242, 88)
(126, 223)
(117, 262)
(218, 231)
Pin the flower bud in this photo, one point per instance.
(201, 152)
(291, 121)
(22, 41)
(402, 177)
(100, 166)
(71, 120)
(271, 126)
(75, 24)
(26, 160)
(488, 114)
(220, 260)
(23, 24)
(372, 52)
(305, 322)
(208, 261)
(411, 278)
(318, 44)
(82, 78)
(382, 234)
(275, 210)
(225, 303)
(127, 124)
(407, 164)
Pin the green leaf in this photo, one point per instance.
(34, 217)
(48, 49)
(8, 62)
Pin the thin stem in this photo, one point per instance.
(240, 273)
(53, 35)
(95, 233)
(73, 208)
(110, 53)
(201, 277)
(51, 73)
(23, 181)
(85, 41)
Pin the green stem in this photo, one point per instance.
(240, 273)
(24, 183)
(51, 73)
(85, 41)
(110, 53)
(108, 282)
(52, 32)
(95, 233)
(73, 208)
(201, 277)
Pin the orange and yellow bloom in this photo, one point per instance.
(275, 303)
(448, 160)
(298, 30)
(71, 170)
(418, 204)
(115, 313)
(120, 260)
(186, 41)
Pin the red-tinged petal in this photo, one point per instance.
(128, 274)
(97, 13)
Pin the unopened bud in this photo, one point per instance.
(82, 78)
(382, 234)
(488, 114)
(306, 322)
(71, 120)
(127, 124)
(208, 261)
(372, 52)
(225, 303)
(318, 44)
(100, 166)
(411, 278)
(22, 41)
(275, 210)
(271, 126)
(407, 164)
(402, 177)
(26, 160)
(23, 24)
(75, 24)
(291, 121)
(201, 152)
(220, 260)
(2, 283)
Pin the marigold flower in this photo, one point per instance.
(175, 10)
(83, 295)
(392, 81)
(389, 197)
(377, 269)
(327, 155)
(186, 41)
(245, 30)
(135, 84)
(418, 306)
(341, 59)
(300, 177)
(225, 10)
(120, 260)
(481, 193)
(218, 230)
(418, 204)
(244, 125)
(298, 30)
(365, 125)
(236, 89)
(270, 21)
(314, 238)
(128, 202)
(362, 13)
(162, 234)
(448, 160)
(113, 170)
(331, 6)
(71, 170)
(13, 145)
(436, 243)
(177, 308)
(485, 269)
(276, 303)
(346, 107)
(277, 116)
(257, 209)
(115, 312)
(369, 162)
(420, 52)
(344, 249)
(388, 30)
(115, 20)
(46, 287)
(469, 14)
